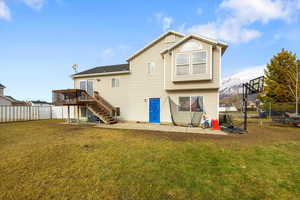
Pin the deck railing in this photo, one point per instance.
(81, 97)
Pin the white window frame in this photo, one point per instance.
(115, 82)
(190, 103)
(206, 61)
(86, 84)
(190, 60)
(150, 69)
(189, 63)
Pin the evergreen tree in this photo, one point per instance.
(281, 78)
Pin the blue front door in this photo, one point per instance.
(154, 110)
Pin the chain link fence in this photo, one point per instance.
(265, 114)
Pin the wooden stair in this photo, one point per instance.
(102, 109)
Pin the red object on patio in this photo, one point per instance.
(215, 125)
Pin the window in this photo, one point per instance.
(182, 64)
(184, 104)
(197, 104)
(193, 62)
(151, 67)
(90, 87)
(118, 111)
(83, 111)
(83, 85)
(115, 82)
(199, 62)
(191, 104)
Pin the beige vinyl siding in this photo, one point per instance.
(118, 96)
(213, 64)
(135, 89)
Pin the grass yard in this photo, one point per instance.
(49, 160)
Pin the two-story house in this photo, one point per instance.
(185, 68)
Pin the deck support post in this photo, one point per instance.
(78, 112)
(69, 121)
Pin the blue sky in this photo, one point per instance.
(41, 39)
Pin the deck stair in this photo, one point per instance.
(95, 103)
(101, 113)
(102, 109)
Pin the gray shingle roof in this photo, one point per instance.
(2, 86)
(105, 69)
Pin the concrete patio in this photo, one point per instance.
(160, 127)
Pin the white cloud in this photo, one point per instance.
(35, 4)
(199, 11)
(235, 18)
(114, 54)
(164, 20)
(4, 11)
(107, 52)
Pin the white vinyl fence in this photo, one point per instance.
(27, 113)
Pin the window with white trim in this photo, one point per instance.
(182, 64)
(115, 83)
(190, 103)
(191, 63)
(199, 62)
(151, 67)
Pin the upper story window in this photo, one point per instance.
(199, 60)
(191, 63)
(151, 67)
(115, 83)
(182, 64)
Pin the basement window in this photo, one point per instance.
(83, 111)
(191, 104)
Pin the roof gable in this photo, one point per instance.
(2, 86)
(197, 37)
(153, 42)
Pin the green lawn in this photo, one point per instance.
(49, 160)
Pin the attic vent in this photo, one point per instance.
(191, 46)
(170, 38)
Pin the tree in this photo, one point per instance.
(282, 78)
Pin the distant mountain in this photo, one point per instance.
(233, 84)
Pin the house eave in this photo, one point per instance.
(151, 43)
(99, 74)
(185, 89)
(201, 38)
